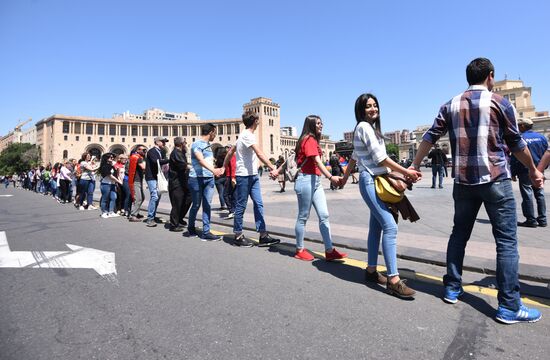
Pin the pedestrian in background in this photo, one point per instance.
(154, 157)
(136, 172)
(109, 181)
(537, 145)
(439, 159)
(220, 180)
(178, 190)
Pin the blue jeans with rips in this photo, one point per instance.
(153, 200)
(310, 192)
(499, 202)
(382, 225)
(202, 191)
(527, 207)
(248, 185)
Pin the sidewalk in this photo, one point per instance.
(423, 241)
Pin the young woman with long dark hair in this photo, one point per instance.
(371, 157)
(309, 189)
(109, 179)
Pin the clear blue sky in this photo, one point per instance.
(96, 58)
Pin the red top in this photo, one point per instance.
(308, 150)
(231, 169)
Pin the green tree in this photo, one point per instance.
(19, 157)
(392, 149)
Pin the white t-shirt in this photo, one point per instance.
(247, 160)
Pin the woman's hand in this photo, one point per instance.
(413, 175)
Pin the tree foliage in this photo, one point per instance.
(19, 157)
(392, 149)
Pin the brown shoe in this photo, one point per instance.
(375, 277)
(400, 289)
(134, 219)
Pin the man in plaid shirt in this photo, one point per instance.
(482, 129)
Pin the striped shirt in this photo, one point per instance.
(482, 130)
(368, 150)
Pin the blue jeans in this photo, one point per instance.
(438, 169)
(310, 192)
(108, 198)
(527, 207)
(202, 191)
(87, 188)
(248, 185)
(153, 200)
(381, 225)
(500, 205)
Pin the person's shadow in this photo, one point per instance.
(433, 288)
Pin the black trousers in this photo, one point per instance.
(64, 184)
(180, 198)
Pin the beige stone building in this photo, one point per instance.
(63, 137)
(18, 135)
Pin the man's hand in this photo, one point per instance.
(219, 172)
(336, 181)
(273, 174)
(537, 179)
(233, 182)
(413, 174)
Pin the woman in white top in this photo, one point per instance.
(65, 178)
(371, 157)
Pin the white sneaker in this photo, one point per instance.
(91, 207)
(105, 216)
(81, 208)
(114, 215)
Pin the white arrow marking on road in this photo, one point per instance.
(6, 195)
(103, 262)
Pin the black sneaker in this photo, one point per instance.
(150, 223)
(542, 224)
(177, 228)
(191, 232)
(242, 241)
(267, 241)
(183, 223)
(210, 237)
(527, 224)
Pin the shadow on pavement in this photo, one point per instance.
(526, 289)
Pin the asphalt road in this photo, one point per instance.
(180, 298)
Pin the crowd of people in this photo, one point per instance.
(481, 172)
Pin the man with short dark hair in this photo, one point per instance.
(154, 156)
(248, 182)
(481, 126)
(537, 145)
(201, 182)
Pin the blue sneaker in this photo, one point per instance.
(524, 314)
(451, 296)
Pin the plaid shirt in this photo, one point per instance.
(482, 130)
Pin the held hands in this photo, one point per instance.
(273, 174)
(412, 174)
(336, 181)
(219, 172)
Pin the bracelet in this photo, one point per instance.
(330, 177)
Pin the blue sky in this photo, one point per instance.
(99, 57)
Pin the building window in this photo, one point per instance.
(193, 131)
(237, 129)
(112, 130)
(229, 138)
(145, 131)
(112, 139)
(184, 131)
(228, 129)
(144, 140)
(174, 131)
(193, 140)
(66, 127)
(134, 130)
(165, 131)
(100, 138)
(123, 140)
(220, 138)
(134, 140)
(123, 130)
(77, 138)
(65, 154)
(77, 128)
(271, 142)
(100, 129)
(89, 129)
(89, 138)
(155, 131)
(65, 137)
(220, 129)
